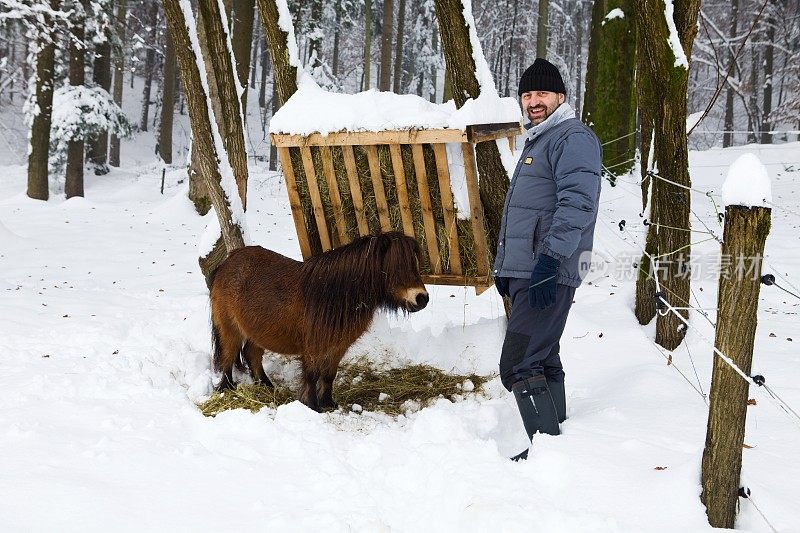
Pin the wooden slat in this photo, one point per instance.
(316, 199)
(475, 208)
(511, 144)
(333, 187)
(402, 189)
(355, 189)
(478, 133)
(461, 281)
(447, 205)
(364, 138)
(377, 186)
(427, 209)
(294, 201)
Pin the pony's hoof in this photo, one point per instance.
(225, 385)
(331, 406)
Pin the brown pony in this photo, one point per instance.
(261, 300)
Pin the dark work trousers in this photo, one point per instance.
(531, 346)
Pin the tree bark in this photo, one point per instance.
(337, 7)
(204, 128)
(670, 202)
(98, 146)
(746, 230)
(460, 68)
(73, 179)
(610, 78)
(385, 82)
(164, 149)
(225, 77)
(542, 27)
(315, 33)
(769, 59)
(727, 137)
(398, 49)
(285, 73)
(579, 29)
(241, 26)
(366, 82)
(149, 66)
(38, 177)
(119, 75)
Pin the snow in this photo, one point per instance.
(673, 39)
(747, 183)
(615, 13)
(314, 110)
(104, 348)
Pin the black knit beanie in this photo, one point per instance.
(541, 76)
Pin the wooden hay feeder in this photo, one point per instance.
(359, 183)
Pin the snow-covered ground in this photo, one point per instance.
(104, 350)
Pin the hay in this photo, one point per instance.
(393, 391)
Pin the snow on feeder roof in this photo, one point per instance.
(747, 183)
(315, 110)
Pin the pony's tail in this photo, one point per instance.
(217, 349)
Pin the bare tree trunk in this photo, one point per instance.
(398, 50)
(434, 71)
(204, 127)
(610, 78)
(752, 116)
(315, 32)
(98, 146)
(73, 179)
(38, 177)
(164, 149)
(769, 59)
(149, 66)
(542, 27)
(119, 74)
(670, 202)
(337, 7)
(225, 77)
(242, 36)
(366, 82)
(727, 137)
(262, 92)
(746, 230)
(385, 83)
(460, 66)
(579, 61)
(273, 150)
(255, 55)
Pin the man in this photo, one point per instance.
(545, 245)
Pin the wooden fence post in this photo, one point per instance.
(746, 229)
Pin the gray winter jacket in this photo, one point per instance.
(552, 201)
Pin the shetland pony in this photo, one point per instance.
(262, 300)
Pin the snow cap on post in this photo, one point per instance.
(747, 183)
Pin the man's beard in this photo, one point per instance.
(543, 117)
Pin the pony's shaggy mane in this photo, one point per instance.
(342, 288)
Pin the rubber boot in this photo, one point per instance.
(536, 407)
(559, 398)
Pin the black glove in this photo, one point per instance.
(502, 286)
(542, 292)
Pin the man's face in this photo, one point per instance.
(539, 105)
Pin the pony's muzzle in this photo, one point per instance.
(416, 299)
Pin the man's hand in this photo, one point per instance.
(502, 286)
(542, 292)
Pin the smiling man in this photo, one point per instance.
(545, 245)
